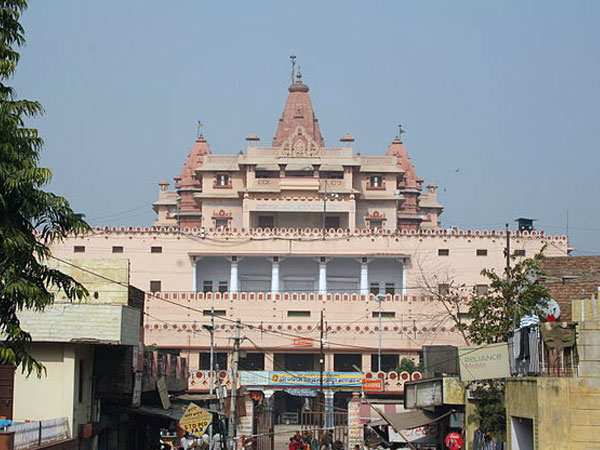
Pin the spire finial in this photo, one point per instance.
(199, 130)
(299, 76)
(293, 61)
(401, 131)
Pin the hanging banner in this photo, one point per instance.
(314, 379)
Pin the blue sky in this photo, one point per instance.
(507, 92)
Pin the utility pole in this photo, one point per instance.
(321, 357)
(232, 432)
(507, 270)
(211, 329)
(507, 250)
(321, 370)
(379, 298)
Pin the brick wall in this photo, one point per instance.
(571, 278)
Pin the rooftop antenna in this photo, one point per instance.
(401, 131)
(293, 61)
(199, 130)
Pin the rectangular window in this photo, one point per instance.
(481, 289)
(221, 223)
(223, 286)
(481, 252)
(81, 381)
(519, 253)
(267, 174)
(207, 286)
(117, 249)
(252, 361)
(79, 249)
(375, 181)
(217, 312)
(332, 222)
(390, 288)
(443, 252)
(155, 249)
(443, 289)
(223, 180)
(347, 362)
(376, 223)
(400, 181)
(266, 222)
(330, 175)
(388, 362)
(384, 314)
(298, 313)
(219, 360)
(155, 286)
(374, 288)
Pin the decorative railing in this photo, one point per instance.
(318, 232)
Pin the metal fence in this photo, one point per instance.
(31, 434)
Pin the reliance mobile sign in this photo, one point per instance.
(484, 363)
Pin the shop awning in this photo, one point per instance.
(171, 413)
(410, 419)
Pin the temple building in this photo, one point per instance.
(298, 182)
(333, 262)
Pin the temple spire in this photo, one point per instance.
(298, 112)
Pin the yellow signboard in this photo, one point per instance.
(195, 420)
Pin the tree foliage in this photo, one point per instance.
(510, 296)
(30, 218)
(490, 412)
(408, 365)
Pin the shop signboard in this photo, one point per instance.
(372, 384)
(486, 362)
(163, 393)
(303, 342)
(195, 420)
(425, 434)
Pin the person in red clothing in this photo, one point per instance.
(295, 444)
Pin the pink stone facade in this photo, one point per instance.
(276, 236)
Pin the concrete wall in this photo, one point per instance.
(72, 322)
(565, 411)
(56, 394)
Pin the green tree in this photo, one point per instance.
(408, 365)
(509, 296)
(493, 315)
(30, 218)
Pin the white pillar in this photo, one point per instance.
(403, 290)
(323, 276)
(364, 276)
(195, 275)
(233, 277)
(274, 275)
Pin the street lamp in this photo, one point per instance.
(379, 298)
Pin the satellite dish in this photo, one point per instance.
(552, 307)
